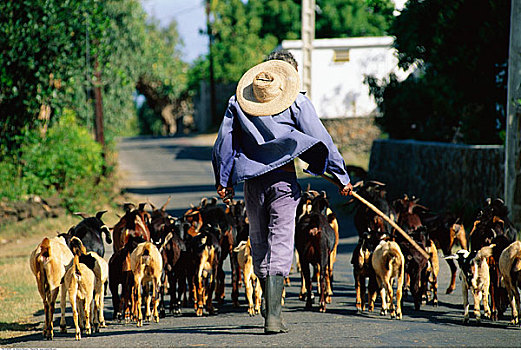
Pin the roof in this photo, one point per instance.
(368, 41)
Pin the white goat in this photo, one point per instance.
(475, 276)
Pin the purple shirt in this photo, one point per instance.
(249, 146)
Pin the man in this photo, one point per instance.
(267, 124)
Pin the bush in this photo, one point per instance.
(66, 161)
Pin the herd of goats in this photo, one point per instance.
(155, 253)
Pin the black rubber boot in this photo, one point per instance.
(273, 322)
(263, 300)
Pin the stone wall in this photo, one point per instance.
(30, 207)
(354, 138)
(444, 176)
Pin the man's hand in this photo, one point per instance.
(346, 190)
(225, 193)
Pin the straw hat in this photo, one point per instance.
(268, 88)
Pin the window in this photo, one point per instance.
(341, 55)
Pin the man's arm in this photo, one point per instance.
(223, 155)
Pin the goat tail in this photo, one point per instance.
(485, 252)
(516, 267)
(390, 262)
(145, 257)
(76, 266)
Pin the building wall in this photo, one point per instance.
(202, 111)
(338, 88)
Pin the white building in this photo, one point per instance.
(339, 67)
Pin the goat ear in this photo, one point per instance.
(82, 214)
(451, 257)
(324, 194)
(142, 206)
(127, 207)
(99, 214)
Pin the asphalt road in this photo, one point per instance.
(158, 167)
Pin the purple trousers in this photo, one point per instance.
(271, 203)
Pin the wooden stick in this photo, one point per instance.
(379, 212)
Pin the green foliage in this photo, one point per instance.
(34, 74)
(461, 48)
(333, 18)
(236, 44)
(12, 187)
(49, 166)
(66, 161)
(149, 123)
(353, 18)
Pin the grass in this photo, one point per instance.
(18, 292)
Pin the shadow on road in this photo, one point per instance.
(170, 189)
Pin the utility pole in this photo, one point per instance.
(98, 105)
(213, 99)
(308, 35)
(513, 127)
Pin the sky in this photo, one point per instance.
(190, 16)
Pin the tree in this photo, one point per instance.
(334, 18)
(165, 82)
(461, 48)
(41, 50)
(353, 18)
(48, 53)
(237, 45)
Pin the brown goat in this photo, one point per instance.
(245, 260)
(134, 223)
(48, 262)
(388, 264)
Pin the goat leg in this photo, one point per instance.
(453, 271)
(477, 301)
(465, 303)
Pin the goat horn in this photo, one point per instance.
(82, 214)
(151, 205)
(166, 203)
(99, 214)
